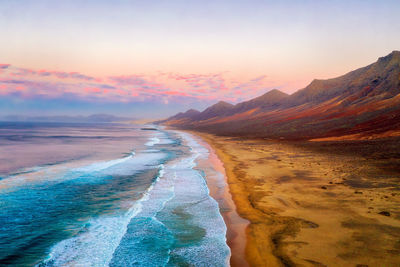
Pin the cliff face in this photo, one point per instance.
(365, 101)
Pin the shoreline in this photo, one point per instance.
(236, 237)
(250, 252)
(314, 204)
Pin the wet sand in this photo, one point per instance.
(318, 204)
(219, 190)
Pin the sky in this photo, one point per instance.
(151, 59)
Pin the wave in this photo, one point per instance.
(96, 245)
(153, 141)
(161, 138)
(147, 241)
(99, 166)
(203, 209)
(97, 242)
(180, 224)
(175, 221)
(93, 172)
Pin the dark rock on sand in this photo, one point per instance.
(384, 213)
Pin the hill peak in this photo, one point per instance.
(395, 54)
(222, 103)
(275, 92)
(272, 95)
(215, 110)
(192, 111)
(364, 101)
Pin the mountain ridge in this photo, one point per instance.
(353, 103)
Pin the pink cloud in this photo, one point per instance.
(20, 88)
(123, 88)
(200, 90)
(24, 72)
(57, 74)
(175, 93)
(4, 66)
(93, 90)
(127, 80)
(3, 87)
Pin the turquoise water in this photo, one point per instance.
(114, 196)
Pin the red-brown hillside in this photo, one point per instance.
(364, 102)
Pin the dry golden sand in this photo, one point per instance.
(310, 208)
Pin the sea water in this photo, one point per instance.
(105, 195)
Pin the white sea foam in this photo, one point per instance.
(153, 141)
(64, 172)
(191, 190)
(182, 189)
(178, 186)
(99, 166)
(160, 138)
(96, 245)
(67, 172)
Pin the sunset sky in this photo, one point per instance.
(151, 59)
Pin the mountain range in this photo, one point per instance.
(362, 104)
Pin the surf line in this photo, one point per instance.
(217, 182)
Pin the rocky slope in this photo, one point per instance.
(363, 103)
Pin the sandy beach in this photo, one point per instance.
(219, 190)
(313, 203)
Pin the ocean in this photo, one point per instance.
(106, 195)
